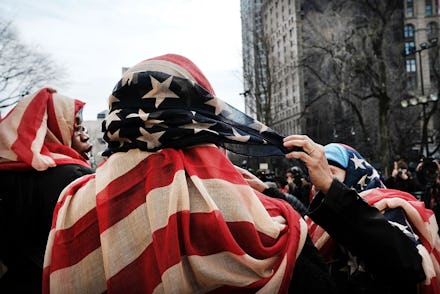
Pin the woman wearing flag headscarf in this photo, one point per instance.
(376, 240)
(43, 148)
(167, 212)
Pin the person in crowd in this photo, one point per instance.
(349, 266)
(392, 262)
(428, 175)
(401, 178)
(167, 211)
(298, 185)
(43, 148)
(281, 184)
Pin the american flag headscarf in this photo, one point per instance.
(360, 174)
(167, 102)
(175, 220)
(37, 132)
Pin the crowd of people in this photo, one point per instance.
(168, 212)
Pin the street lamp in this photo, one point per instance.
(421, 100)
(423, 46)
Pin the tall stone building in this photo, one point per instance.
(276, 89)
(271, 47)
(421, 33)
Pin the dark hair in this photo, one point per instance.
(429, 171)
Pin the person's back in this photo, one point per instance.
(167, 211)
(32, 180)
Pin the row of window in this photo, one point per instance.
(431, 8)
(410, 45)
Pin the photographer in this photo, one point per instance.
(427, 173)
(401, 178)
(297, 185)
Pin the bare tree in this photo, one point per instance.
(257, 73)
(353, 59)
(22, 69)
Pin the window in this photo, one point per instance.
(408, 31)
(428, 8)
(432, 30)
(410, 65)
(409, 8)
(409, 47)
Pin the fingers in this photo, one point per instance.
(245, 173)
(309, 147)
(314, 158)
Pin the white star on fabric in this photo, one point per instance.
(358, 163)
(362, 180)
(152, 139)
(128, 78)
(238, 137)
(112, 100)
(258, 126)
(141, 114)
(374, 174)
(160, 90)
(152, 122)
(112, 117)
(198, 127)
(216, 103)
(115, 137)
(404, 229)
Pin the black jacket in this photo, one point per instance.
(27, 201)
(392, 262)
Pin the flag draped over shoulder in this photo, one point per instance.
(419, 224)
(172, 221)
(422, 224)
(37, 132)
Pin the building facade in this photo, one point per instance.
(421, 33)
(274, 83)
(271, 35)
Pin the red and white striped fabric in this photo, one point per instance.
(173, 221)
(37, 132)
(421, 219)
(424, 224)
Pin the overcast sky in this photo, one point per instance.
(93, 39)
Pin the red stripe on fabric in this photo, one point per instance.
(78, 106)
(115, 202)
(436, 254)
(80, 182)
(46, 280)
(124, 194)
(75, 243)
(65, 150)
(187, 234)
(34, 111)
(140, 276)
(190, 67)
(208, 162)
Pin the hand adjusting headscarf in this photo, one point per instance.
(167, 102)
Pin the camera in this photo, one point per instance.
(429, 171)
